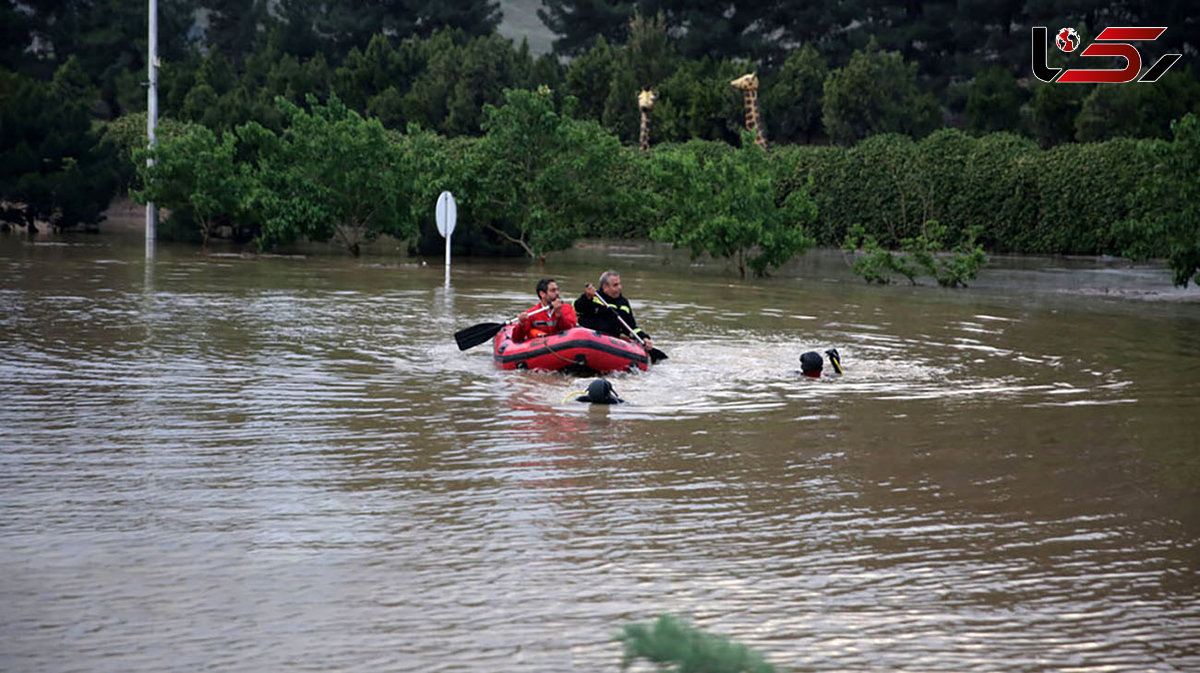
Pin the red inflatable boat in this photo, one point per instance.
(577, 349)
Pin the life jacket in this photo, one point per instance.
(544, 324)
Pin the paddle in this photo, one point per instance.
(476, 334)
(656, 356)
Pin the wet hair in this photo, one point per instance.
(544, 285)
(607, 276)
(811, 363)
(601, 391)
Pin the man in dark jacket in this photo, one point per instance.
(593, 314)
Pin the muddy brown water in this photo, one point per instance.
(286, 464)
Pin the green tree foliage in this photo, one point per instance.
(1082, 191)
(713, 29)
(1018, 198)
(1167, 223)
(488, 66)
(474, 17)
(15, 27)
(588, 79)
(923, 254)
(543, 177)
(308, 27)
(328, 174)
(1054, 109)
(994, 102)
(109, 38)
(792, 100)
(675, 645)
(650, 50)
(1144, 111)
(235, 27)
(621, 114)
(581, 23)
(876, 93)
(294, 31)
(696, 102)
(998, 192)
(462, 75)
(196, 172)
(125, 136)
(729, 204)
(53, 167)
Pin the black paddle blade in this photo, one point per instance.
(477, 334)
(657, 356)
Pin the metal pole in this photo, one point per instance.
(152, 120)
(447, 260)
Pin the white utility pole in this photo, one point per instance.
(152, 121)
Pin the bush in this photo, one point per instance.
(923, 254)
(1166, 205)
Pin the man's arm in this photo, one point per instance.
(567, 318)
(521, 331)
(586, 308)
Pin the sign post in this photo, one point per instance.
(152, 119)
(447, 215)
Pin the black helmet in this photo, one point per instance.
(601, 391)
(811, 363)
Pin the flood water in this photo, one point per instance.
(286, 464)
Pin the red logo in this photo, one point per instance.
(1110, 42)
(1067, 39)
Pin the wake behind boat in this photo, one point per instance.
(576, 349)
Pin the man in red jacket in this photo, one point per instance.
(549, 316)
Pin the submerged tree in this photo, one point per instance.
(195, 172)
(675, 645)
(329, 174)
(544, 176)
(53, 167)
(1171, 227)
(728, 204)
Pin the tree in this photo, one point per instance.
(306, 27)
(1054, 109)
(195, 172)
(696, 102)
(649, 50)
(329, 174)
(488, 66)
(1170, 195)
(581, 22)
(52, 166)
(728, 204)
(365, 74)
(15, 26)
(588, 79)
(1137, 111)
(235, 27)
(620, 107)
(544, 176)
(791, 100)
(876, 93)
(994, 102)
(462, 75)
(109, 39)
(474, 17)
